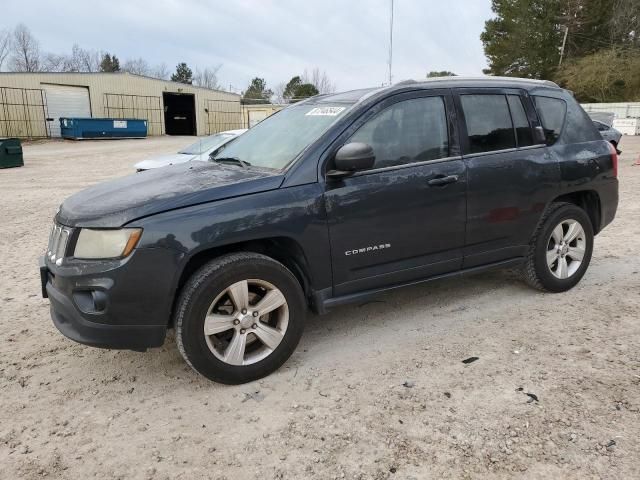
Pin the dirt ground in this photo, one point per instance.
(375, 391)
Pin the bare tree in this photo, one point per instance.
(80, 60)
(207, 78)
(25, 51)
(86, 60)
(625, 22)
(160, 71)
(52, 62)
(278, 94)
(320, 80)
(5, 45)
(137, 66)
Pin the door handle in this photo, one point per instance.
(441, 180)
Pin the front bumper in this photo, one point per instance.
(123, 304)
(73, 326)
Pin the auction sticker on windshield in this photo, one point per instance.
(326, 111)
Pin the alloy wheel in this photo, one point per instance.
(566, 248)
(246, 322)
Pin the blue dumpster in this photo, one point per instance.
(78, 128)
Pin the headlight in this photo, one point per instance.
(94, 244)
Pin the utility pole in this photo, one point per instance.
(564, 43)
(391, 46)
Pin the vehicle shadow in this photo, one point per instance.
(444, 294)
(401, 310)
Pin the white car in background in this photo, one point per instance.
(198, 151)
(603, 121)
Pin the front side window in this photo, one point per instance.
(406, 132)
(552, 112)
(520, 121)
(488, 123)
(277, 140)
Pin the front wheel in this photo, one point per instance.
(560, 250)
(239, 318)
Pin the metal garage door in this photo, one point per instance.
(66, 101)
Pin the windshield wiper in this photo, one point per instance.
(236, 160)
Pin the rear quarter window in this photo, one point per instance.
(565, 119)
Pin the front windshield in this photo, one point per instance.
(276, 141)
(205, 144)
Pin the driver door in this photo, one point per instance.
(404, 219)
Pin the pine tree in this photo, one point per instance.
(296, 89)
(183, 74)
(109, 63)
(257, 92)
(524, 38)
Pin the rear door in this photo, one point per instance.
(403, 219)
(510, 177)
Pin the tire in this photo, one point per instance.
(249, 349)
(541, 271)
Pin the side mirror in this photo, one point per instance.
(539, 135)
(351, 158)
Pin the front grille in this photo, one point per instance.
(58, 241)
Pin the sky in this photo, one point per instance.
(275, 40)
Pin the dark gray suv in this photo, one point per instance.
(332, 200)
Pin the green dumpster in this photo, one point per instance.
(10, 153)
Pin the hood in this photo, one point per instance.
(114, 203)
(164, 161)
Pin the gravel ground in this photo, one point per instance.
(376, 390)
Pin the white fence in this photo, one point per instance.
(621, 110)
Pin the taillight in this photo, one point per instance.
(614, 159)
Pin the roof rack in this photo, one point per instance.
(486, 78)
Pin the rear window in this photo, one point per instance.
(552, 112)
(488, 123)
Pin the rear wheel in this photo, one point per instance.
(560, 250)
(239, 318)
